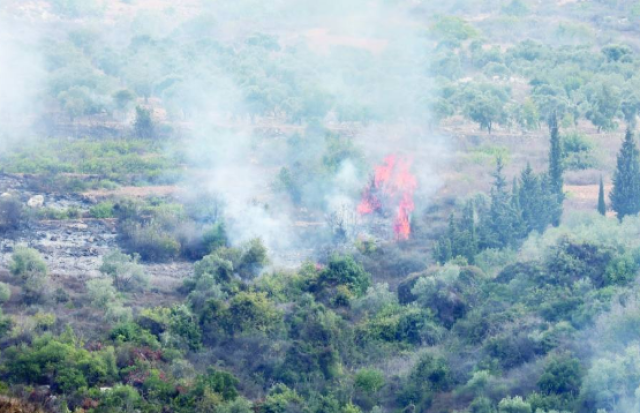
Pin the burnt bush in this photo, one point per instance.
(12, 213)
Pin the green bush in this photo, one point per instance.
(151, 241)
(514, 405)
(124, 270)
(31, 271)
(578, 152)
(5, 293)
(562, 374)
(102, 210)
(369, 380)
(252, 312)
(344, 270)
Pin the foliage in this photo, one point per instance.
(344, 270)
(625, 195)
(30, 269)
(369, 380)
(143, 125)
(102, 210)
(124, 270)
(5, 293)
(11, 213)
(602, 205)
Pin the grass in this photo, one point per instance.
(487, 155)
(101, 162)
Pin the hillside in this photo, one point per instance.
(295, 206)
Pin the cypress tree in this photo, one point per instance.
(602, 206)
(519, 226)
(444, 248)
(625, 194)
(556, 171)
(532, 201)
(467, 243)
(501, 223)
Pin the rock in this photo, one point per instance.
(36, 201)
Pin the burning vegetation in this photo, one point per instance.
(392, 187)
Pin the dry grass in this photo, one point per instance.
(133, 191)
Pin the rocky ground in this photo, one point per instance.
(73, 248)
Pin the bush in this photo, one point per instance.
(5, 293)
(369, 380)
(514, 405)
(124, 270)
(151, 241)
(121, 398)
(252, 312)
(578, 153)
(11, 213)
(101, 292)
(28, 266)
(344, 270)
(562, 374)
(102, 210)
(254, 258)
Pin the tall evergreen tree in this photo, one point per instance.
(532, 201)
(556, 171)
(602, 206)
(500, 226)
(460, 239)
(625, 194)
(467, 242)
(519, 226)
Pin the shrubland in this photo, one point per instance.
(514, 305)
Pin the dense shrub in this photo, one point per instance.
(252, 312)
(344, 270)
(562, 374)
(31, 271)
(5, 293)
(124, 270)
(102, 210)
(150, 241)
(11, 213)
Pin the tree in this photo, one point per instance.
(630, 108)
(532, 202)
(143, 125)
(529, 116)
(556, 171)
(604, 104)
(123, 98)
(485, 110)
(561, 375)
(502, 221)
(625, 194)
(460, 239)
(602, 206)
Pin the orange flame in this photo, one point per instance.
(394, 180)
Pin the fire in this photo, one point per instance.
(394, 181)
